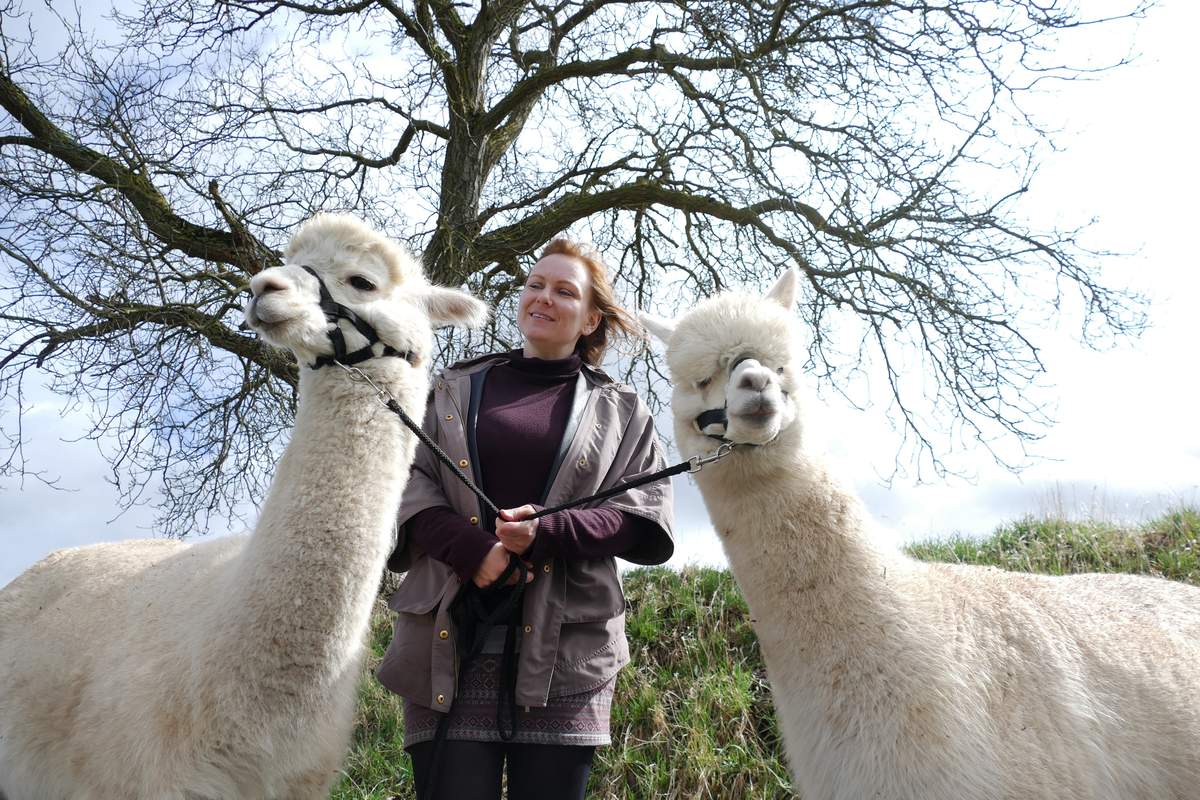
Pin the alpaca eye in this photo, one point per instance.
(361, 283)
(703, 383)
(780, 370)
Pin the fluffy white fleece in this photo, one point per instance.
(909, 681)
(228, 668)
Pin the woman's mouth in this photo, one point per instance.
(536, 315)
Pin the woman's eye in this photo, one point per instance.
(362, 284)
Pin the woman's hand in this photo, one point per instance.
(493, 566)
(514, 531)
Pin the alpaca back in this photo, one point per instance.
(138, 719)
(124, 617)
(1088, 680)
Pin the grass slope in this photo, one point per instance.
(692, 716)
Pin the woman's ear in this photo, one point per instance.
(593, 322)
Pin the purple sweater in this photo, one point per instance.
(522, 417)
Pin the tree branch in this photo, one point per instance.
(155, 211)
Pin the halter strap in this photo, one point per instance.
(720, 416)
(335, 312)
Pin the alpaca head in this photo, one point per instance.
(737, 353)
(367, 273)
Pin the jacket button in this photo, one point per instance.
(462, 462)
(449, 417)
(545, 568)
(582, 463)
(443, 634)
(441, 698)
(529, 629)
(474, 520)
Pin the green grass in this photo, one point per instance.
(692, 717)
(1166, 547)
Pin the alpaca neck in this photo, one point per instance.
(817, 586)
(303, 591)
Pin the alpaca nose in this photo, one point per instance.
(265, 283)
(754, 378)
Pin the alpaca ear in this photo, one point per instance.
(784, 290)
(453, 307)
(661, 328)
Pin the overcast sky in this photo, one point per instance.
(1127, 442)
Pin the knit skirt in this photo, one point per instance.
(580, 719)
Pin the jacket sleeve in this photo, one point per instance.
(640, 453)
(589, 533)
(422, 492)
(442, 533)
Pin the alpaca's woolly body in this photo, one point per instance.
(908, 681)
(226, 668)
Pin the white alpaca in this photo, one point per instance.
(908, 681)
(227, 669)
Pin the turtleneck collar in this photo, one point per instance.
(545, 367)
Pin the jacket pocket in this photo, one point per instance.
(593, 591)
(406, 666)
(422, 588)
(589, 653)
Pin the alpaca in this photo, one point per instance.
(910, 681)
(228, 668)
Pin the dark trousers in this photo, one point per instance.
(472, 770)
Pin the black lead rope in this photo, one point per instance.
(473, 620)
(691, 465)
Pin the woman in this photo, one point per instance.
(535, 427)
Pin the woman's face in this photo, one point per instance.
(555, 308)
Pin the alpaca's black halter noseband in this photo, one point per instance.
(336, 312)
(719, 416)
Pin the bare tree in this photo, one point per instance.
(882, 147)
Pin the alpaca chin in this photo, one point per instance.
(757, 429)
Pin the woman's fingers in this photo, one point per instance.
(515, 514)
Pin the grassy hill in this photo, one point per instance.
(692, 716)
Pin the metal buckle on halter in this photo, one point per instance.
(357, 374)
(696, 463)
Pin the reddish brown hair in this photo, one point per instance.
(614, 320)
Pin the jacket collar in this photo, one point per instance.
(464, 369)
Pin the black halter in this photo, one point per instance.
(719, 416)
(334, 313)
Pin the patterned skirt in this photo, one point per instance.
(581, 719)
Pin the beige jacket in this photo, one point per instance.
(574, 611)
